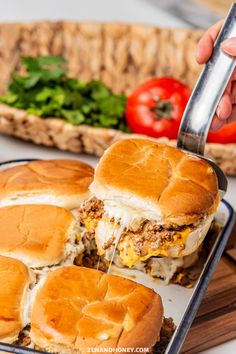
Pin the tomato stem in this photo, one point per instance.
(163, 108)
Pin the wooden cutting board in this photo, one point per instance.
(215, 322)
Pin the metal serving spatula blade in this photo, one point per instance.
(205, 97)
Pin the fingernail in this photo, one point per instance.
(218, 111)
(216, 124)
(229, 45)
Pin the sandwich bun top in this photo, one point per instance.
(76, 308)
(35, 234)
(15, 281)
(165, 183)
(59, 182)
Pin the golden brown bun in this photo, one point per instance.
(15, 280)
(35, 234)
(59, 182)
(157, 178)
(76, 308)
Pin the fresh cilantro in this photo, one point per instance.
(46, 91)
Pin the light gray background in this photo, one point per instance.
(143, 11)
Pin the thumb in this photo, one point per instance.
(229, 46)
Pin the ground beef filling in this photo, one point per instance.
(24, 339)
(146, 236)
(167, 331)
(92, 209)
(150, 237)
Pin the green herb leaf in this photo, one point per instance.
(46, 91)
(50, 60)
(74, 117)
(31, 64)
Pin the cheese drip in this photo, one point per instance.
(118, 230)
(107, 231)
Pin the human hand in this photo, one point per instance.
(226, 110)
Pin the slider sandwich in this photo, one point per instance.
(78, 310)
(41, 236)
(59, 182)
(15, 280)
(152, 203)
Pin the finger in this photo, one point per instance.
(229, 87)
(232, 117)
(219, 123)
(233, 77)
(233, 92)
(229, 46)
(224, 108)
(216, 123)
(204, 49)
(205, 45)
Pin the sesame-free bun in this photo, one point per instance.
(58, 182)
(78, 308)
(38, 235)
(162, 182)
(15, 279)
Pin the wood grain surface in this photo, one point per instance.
(215, 322)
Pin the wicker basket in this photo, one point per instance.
(120, 55)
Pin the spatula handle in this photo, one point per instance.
(206, 95)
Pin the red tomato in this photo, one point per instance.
(156, 107)
(225, 135)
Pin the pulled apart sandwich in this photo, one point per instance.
(153, 204)
(78, 310)
(41, 236)
(58, 182)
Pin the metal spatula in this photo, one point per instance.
(205, 97)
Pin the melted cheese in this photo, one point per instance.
(127, 210)
(129, 257)
(90, 224)
(107, 231)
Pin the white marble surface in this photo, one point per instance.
(140, 11)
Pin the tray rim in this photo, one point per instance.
(195, 301)
(203, 282)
